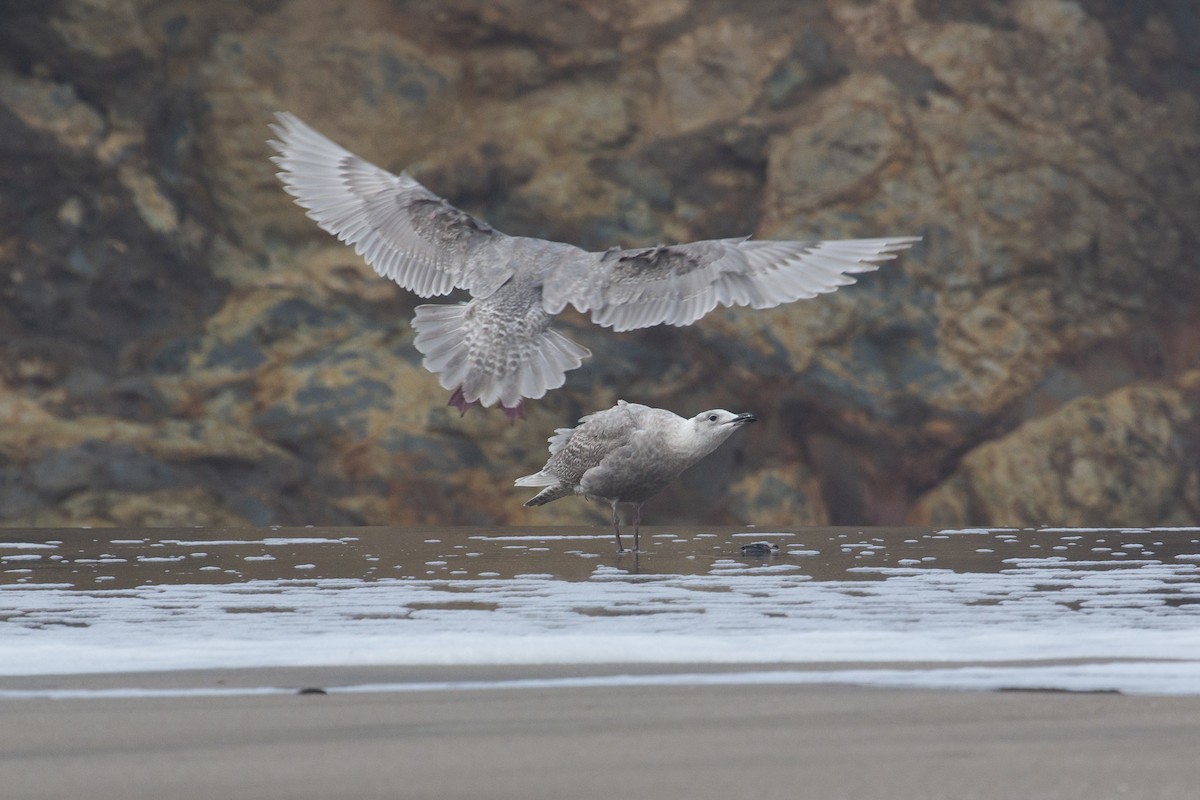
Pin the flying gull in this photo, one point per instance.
(499, 347)
(627, 454)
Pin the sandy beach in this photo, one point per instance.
(481, 664)
(676, 741)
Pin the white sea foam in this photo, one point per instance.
(1037, 610)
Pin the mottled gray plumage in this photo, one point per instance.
(627, 454)
(499, 347)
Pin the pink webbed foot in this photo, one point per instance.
(460, 402)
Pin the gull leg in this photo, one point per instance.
(617, 527)
(637, 524)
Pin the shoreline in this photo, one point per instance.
(1134, 677)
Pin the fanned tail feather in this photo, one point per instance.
(490, 370)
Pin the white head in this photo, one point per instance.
(715, 426)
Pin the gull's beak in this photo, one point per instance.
(741, 419)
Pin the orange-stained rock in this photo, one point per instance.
(1129, 456)
(179, 344)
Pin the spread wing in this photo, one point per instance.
(678, 284)
(403, 230)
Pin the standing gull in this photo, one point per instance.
(499, 347)
(627, 454)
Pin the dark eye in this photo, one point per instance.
(712, 417)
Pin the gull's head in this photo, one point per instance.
(715, 426)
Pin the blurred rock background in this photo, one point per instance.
(179, 345)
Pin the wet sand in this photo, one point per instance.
(664, 742)
(408, 721)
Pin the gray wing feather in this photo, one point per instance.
(574, 451)
(678, 284)
(403, 230)
(560, 438)
(641, 465)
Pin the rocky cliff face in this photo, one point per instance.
(179, 345)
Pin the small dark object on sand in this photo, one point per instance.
(759, 549)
